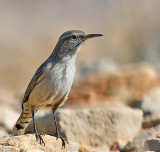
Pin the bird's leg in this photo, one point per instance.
(64, 141)
(37, 134)
(54, 109)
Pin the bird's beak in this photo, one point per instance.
(88, 36)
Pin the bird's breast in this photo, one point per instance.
(59, 81)
(54, 85)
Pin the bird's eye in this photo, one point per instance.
(74, 37)
(80, 36)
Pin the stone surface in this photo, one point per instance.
(151, 101)
(152, 144)
(96, 127)
(27, 143)
(138, 142)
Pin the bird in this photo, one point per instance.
(52, 82)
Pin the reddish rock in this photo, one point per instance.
(127, 85)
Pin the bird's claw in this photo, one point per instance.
(64, 140)
(39, 138)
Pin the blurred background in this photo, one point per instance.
(114, 70)
(30, 29)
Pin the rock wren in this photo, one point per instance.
(52, 82)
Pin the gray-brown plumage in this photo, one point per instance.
(52, 81)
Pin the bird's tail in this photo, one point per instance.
(22, 122)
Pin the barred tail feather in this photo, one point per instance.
(22, 123)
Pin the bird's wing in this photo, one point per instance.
(38, 76)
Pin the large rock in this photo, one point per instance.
(27, 143)
(152, 144)
(96, 127)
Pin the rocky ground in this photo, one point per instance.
(116, 111)
(28, 143)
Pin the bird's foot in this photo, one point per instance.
(64, 140)
(39, 138)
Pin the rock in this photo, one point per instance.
(152, 144)
(138, 142)
(28, 143)
(96, 127)
(151, 120)
(8, 149)
(88, 101)
(101, 126)
(127, 84)
(87, 148)
(151, 101)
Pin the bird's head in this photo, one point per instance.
(72, 40)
